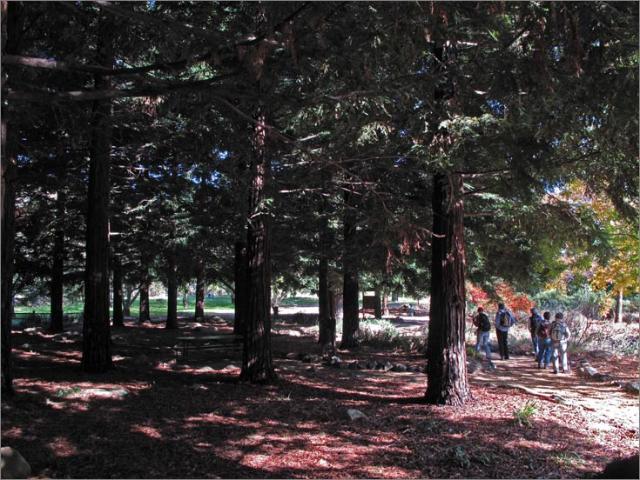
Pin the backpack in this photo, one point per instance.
(485, 323)
(543, 330)
(504, 319)
(558, 332)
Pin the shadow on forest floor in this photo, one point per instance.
(199, 421)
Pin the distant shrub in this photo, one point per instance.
(384, 334)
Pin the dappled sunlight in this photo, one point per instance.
(148, 431)
(62, 447)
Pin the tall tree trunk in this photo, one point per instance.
(385, 302)
(118, 317)
(618, 312)
(7, 209)
(326, 315)
(144, 315)
(326, 322)
(96, 347)
(241, 288)
(257, 363)
(446, 354)
(378, 304)
(350, 291)
(57, 268)
(200, 290)
(128, 300)
(172, 292)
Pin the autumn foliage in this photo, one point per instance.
(518, 302)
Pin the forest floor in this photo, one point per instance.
(153, 417)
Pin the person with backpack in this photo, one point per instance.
(484, 332)
(504, 321)
(534, 321)
(560, 336)
(544, 340)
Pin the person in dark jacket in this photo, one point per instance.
(484, 332)
(534, 321)
(544, 341)
(504, 321)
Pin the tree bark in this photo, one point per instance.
(446, 353)
(257, 363)
(378, 304)
(144, 315)
(7, 209)
(240, 294)
(200, 290)
(96, 348)
(57, 268)
(350, 290)
(129, 299)
(118, 317)
(326, 316)
(618, 311)
(172, 292)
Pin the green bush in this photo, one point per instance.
(384, 334)
(524, 414)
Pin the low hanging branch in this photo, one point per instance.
(90, 95)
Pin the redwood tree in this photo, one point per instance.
(446, 354)
(96, 346)
(257, 363)
(350, 291)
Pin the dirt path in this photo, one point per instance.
(606, 404)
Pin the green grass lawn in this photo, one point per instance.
(158, 306)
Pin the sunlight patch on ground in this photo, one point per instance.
(148, 431)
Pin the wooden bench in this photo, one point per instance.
(221, 342)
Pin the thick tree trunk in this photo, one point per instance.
(57, 269)
(118, 317)
(618, 312)
(96, 348)
(7, 209)
(200, 290)
(172, 292)
(446, 354)
(241, 289)
(144, 315)
(257, 363)
(326, 315)
(350, 291)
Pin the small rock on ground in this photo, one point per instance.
(355, 414)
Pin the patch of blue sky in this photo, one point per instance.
(399, 162)
(496, 107)
(220, 154)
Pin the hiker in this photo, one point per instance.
(560, 336)
(534, 321)
(481, 320)
(504, 321)
(544, 340)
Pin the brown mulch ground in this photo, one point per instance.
(198, 421)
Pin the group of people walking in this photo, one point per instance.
(549, 338)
